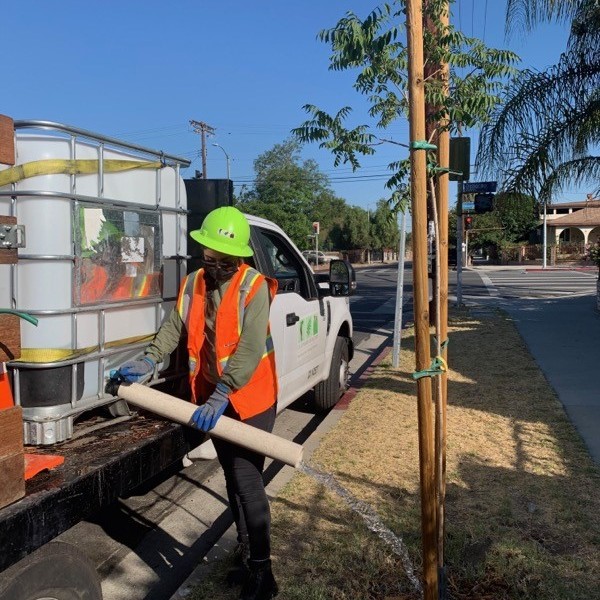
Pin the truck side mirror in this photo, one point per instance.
(342, 278)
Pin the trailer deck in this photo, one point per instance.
(100, 465)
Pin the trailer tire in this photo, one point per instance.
(56, 571)
(328, 392)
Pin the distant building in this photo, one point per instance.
(574, 222)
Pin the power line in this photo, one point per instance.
(485, 18)
(343, 179)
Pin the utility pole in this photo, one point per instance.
(203, 129)
(418, 192)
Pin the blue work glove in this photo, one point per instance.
(205, 417)
(134, 371)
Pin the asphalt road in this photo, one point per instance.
(497, 284)
(145, 546)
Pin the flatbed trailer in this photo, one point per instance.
(103, 461)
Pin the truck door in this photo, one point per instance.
(298, 317)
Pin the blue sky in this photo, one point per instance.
(140, 70)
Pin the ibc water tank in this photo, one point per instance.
(105, 249)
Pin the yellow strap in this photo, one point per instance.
(46, 355)
(71, 167)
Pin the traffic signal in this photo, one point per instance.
(460, 158)
(468, 222)
(315, 227)
(484, 203)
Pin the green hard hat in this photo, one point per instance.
(225, 230)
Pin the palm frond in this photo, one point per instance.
(581, 171)
(526, 14)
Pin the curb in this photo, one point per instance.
(347, 398)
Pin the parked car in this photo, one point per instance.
(314, 257)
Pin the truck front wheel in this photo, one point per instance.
(56, 571)
(328, 392)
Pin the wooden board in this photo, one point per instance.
(8, 256)
(10, 338)
(12, 458)
(7, 140)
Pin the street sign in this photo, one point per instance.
(468, 203)
(479, 187)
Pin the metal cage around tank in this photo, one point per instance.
(88, 203)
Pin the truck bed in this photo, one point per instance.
(99, 467)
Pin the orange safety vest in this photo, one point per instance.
(260, 393)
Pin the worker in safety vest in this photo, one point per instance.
(223, 309)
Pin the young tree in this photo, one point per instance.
(376, 49)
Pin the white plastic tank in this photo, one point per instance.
(103, 255)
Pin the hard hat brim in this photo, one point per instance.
(225, 247)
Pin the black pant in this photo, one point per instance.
(246, 490)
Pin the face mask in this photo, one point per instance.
(220, 270)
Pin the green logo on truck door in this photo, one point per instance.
(309, 327)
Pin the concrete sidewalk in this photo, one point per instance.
(563, 335)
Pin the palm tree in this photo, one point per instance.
(540, 137)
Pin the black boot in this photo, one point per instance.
(238, 573)
(260, 584)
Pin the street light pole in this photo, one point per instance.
(369, 233)
(545, 235)
(226, 157)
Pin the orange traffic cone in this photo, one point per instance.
(6, 397)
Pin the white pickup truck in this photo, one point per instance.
(311, 322)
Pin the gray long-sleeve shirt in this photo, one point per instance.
(249, 352)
